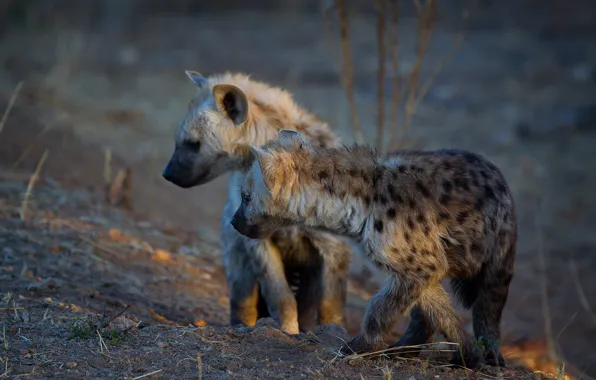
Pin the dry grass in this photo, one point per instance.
(13, 98)
(408, 97)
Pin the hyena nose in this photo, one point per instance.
(167, 172)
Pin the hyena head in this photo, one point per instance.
(215, 118)
(275, 193)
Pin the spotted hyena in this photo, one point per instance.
(228, 112)
(420, 215)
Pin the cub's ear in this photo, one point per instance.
(196, 78)
(262, 157)
(289, 137)
(231, 101)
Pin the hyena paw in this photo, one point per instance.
(470, 360)
(358, 345)
(290, 328)
(494, 358)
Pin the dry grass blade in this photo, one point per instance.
(147, 374)
(107, 168)
(381, 15)
(348, 69)
(13, 98)
(395, 87)
(199, 367)
(400, 349)
(580, 291)
(31, 183)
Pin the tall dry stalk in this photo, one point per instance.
(395, 85)
(427, 14)
(348, 69)
(381, 16)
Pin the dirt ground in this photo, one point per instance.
(520, 89)
(89, 292)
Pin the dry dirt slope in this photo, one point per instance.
(89, 292)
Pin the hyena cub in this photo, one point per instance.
(228, 112)
(420, 215)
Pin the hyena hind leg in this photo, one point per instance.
(436, 306)
(397, 296)
(336, 255)
(308, 297)
(493, 289)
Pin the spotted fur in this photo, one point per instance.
(422, 216)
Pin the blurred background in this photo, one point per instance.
(515, 81)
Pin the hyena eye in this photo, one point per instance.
(245, 197)
(193, 144)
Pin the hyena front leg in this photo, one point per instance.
(419, 332)
(242, 284)
(399, 293)
(308, 297)
(274, 285)
(336, 256)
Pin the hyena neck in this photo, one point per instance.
(344, 193)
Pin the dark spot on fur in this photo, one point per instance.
(422, 189)
(426, 252)
(484, 175)
(476, 248)
(488, 192)
(420, 218)
(391, 213)
(447, 166)
(342, 195)
(411, 259)
(353, 172)
(501, 187)
(431, 267)
(461, 183)
(474, 178)
(377, 174)
(462, 216)
(378, 225)
(447, 186)
(410, 223)
(445, 199)
(443, 216)
(426, 230)
(401, 169)
(380, 198)
(323, 175)
(414, 250)
(407, 237)
(479, 204)
(367, 200)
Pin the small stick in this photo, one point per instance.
(148, 374)
(13, 98)
(31, 183)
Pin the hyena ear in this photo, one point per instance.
(262, 157)
(231, 101)
(196, 78)
(289, 137)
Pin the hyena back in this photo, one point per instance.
(421, 215)
(228, 112)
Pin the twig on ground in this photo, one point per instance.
(580, 291)
(31, 183)
(147, 374)
(107, 323)
(13, 98)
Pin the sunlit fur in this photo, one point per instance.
(228, 112)
(422, 216)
